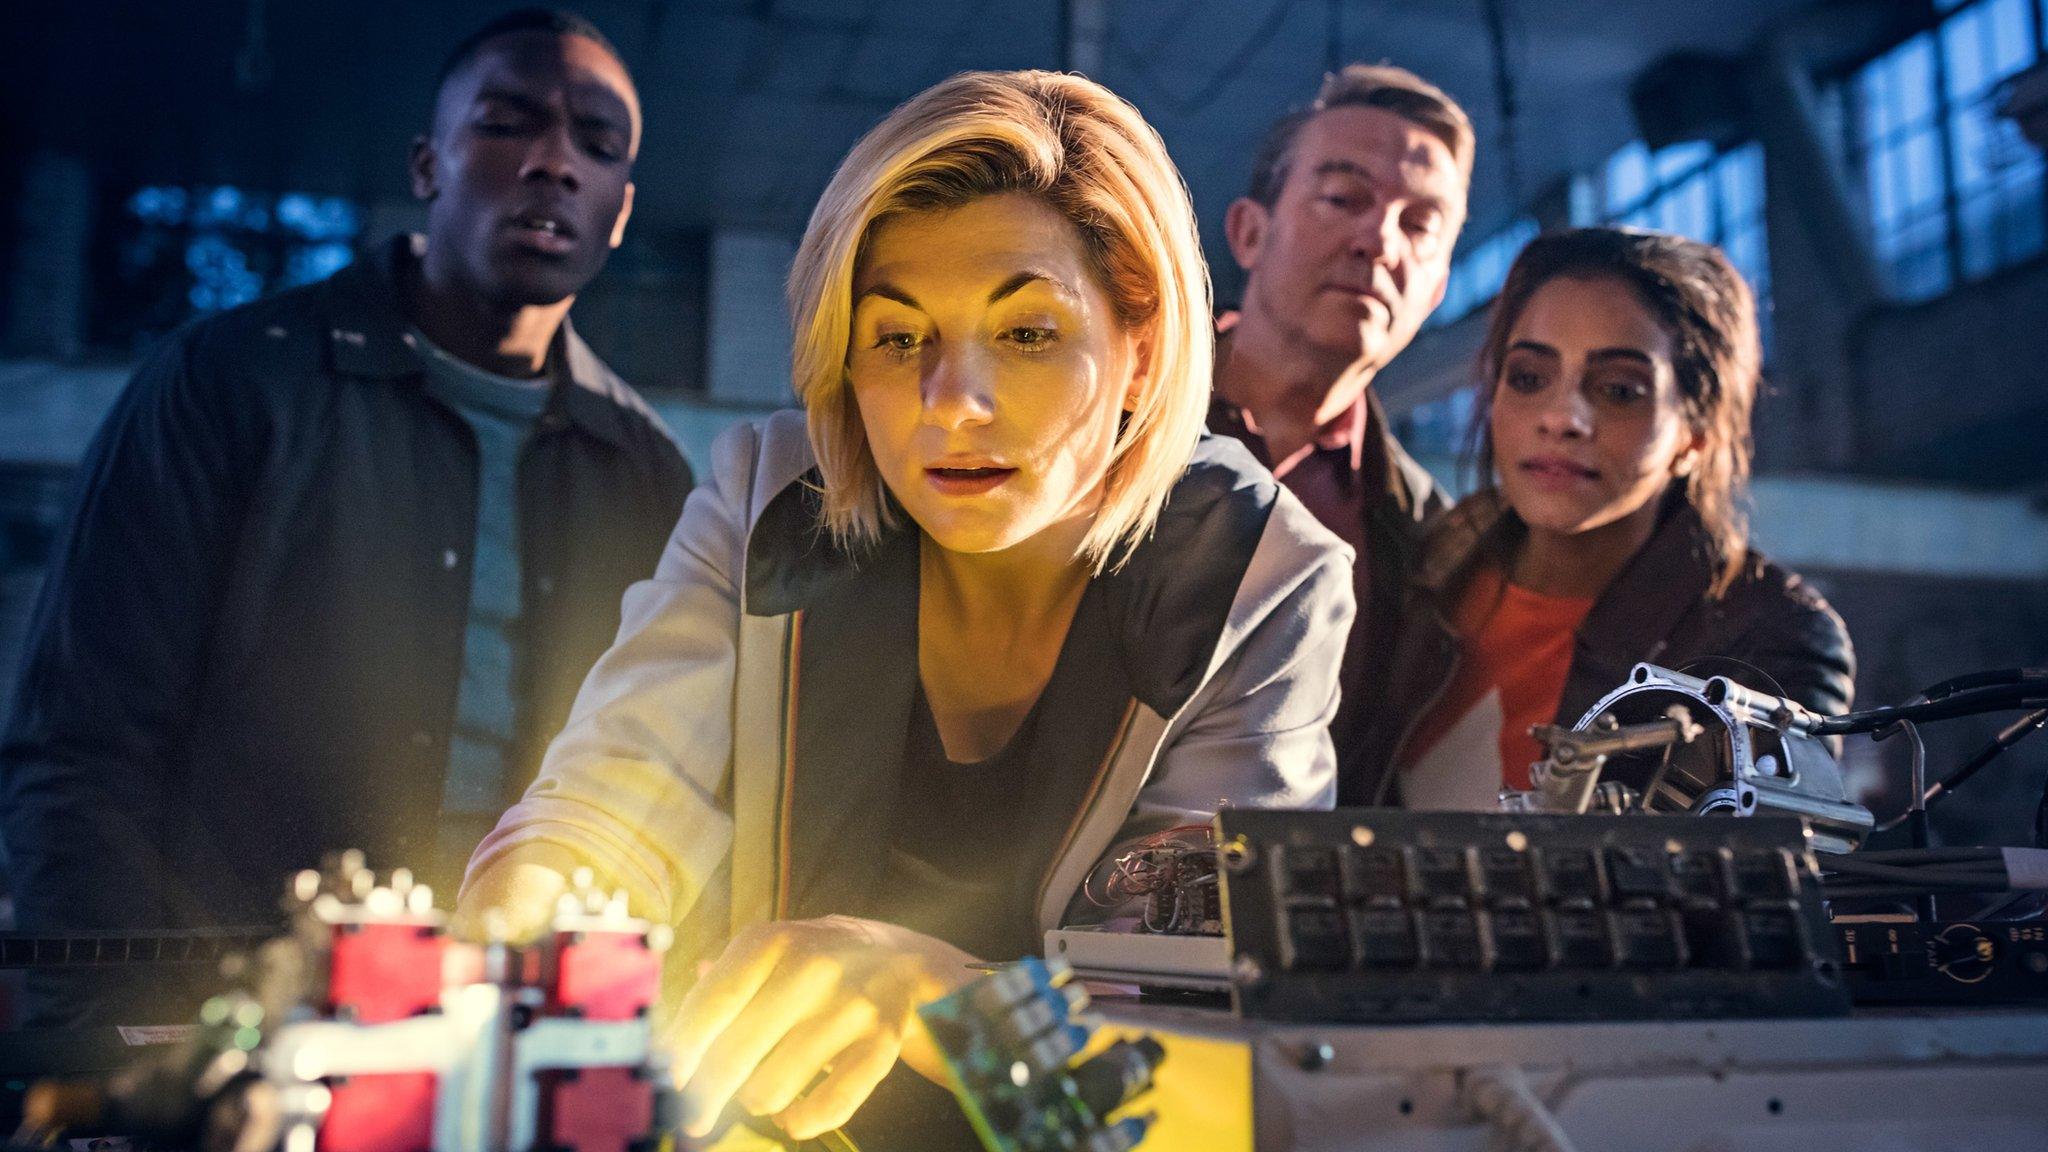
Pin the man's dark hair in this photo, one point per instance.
(1382, 86)
(561, 21)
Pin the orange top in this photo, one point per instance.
(1517, 651)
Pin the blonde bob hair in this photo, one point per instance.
(1091, 157)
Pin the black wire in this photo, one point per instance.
(1880, 874)
(1985, 679)
(2012, 734)
(1919, 875)
(1899, 891)
(2030, 693)
(1909, 856)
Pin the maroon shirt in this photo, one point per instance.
(1356, 480)
(1327, 474)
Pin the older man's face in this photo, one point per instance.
(1353, 255)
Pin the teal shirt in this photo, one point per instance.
(501, 411)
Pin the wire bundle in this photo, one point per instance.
(1146, 865)
(1910, 872)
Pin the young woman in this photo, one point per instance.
(917, 657)
(1620, 367)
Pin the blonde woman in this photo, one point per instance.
(919, 656)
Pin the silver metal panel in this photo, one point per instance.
(1881, 1081)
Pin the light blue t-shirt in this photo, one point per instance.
(501, 411)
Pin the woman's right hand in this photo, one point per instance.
(514, 899)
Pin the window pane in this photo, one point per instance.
(1873, 97)
(1920, 154)
(1913, 82)
(2006, 37)
(1881, 172)
(1628, 177)
(1962, 43)
(1679, 159)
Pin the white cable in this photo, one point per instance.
(1501, 1097)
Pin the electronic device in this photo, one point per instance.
(1385, 915)
(367, 1028)
(1671, 743)
(1899, 960)
(1190, 962)
(1014, 1045)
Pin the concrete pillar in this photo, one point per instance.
(1824, 274)
(749, 332)
(47, 294)
(1084, 36)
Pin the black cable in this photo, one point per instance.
(1901, 891)
(1918, 875)
(1985, 679)
(1884, 873)
(2029, 693)
(1909, 856)
(2012, 734)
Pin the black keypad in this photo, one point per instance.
(1317, 939)
(1763, 875)
(1444, 916)
(1571, 877)
(1385, 937)
(1647, 938)
(1773, 938)
(1638, 875)
(1375, 876)
(1443, 876)
(1505, 876)
(1581, 939)
(1310, 871)
(1519, 942)
(1702, 876)
(1451, 939)
(1714, 937)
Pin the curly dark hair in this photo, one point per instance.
(1708, 310)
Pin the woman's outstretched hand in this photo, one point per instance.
(800, 1020)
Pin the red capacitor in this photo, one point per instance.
(596, 1109)
(386, 1112)
(604, 975)
(381, 972)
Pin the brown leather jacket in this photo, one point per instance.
(1770, 631)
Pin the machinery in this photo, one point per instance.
(1017, 1049)
(1595, 967)
(367, 1028)
(1368, 915)
(1668, 742)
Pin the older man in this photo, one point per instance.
(1345, 237)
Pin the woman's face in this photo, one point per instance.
(1587, 423)
(990, 370)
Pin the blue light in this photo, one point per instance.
(316, 262)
